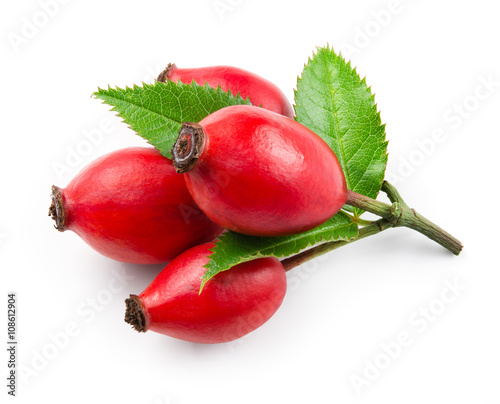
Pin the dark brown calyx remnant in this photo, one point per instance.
(56, 209)
(188, 147)
(163, 76)
(134, 314)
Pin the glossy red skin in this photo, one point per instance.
(232, 304)
(261, 91)
(263, 174)
(131, 206)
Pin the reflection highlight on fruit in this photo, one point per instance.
(130, 205)
(232, 304)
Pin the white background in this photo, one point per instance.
(427, 62)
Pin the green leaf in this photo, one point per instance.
(234, 248)
(334, 102)
(156, 111)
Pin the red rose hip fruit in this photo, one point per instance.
(232, 303)
(249, 85)
(131, 205)
(259, 173)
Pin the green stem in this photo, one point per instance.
(370, 230)
(395, 215)
(401, 215)
(358, 220)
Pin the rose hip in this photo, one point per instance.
(259, 173)
(131, 205)
(232, 303)
(249, 85)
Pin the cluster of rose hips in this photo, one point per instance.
(250, 169)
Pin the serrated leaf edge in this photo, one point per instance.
(259, 254)
(371, 98)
